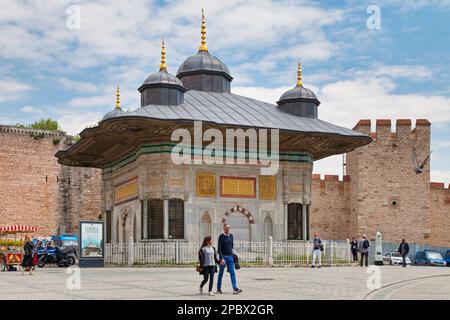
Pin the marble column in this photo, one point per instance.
(145, 220)
(166, 218)
(304, 223)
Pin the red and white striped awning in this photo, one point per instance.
(18, 228)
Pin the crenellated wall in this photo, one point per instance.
(36, 190)
(440, 214)
(382, 192)
(330, 206)
(387, 195)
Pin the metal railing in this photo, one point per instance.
(249, 253)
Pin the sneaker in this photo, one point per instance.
(319, 267)
(211, 293)
(313, 266)
(219, 291)
(236, 291)
(201, 290)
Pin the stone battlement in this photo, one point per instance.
(31, 131)
(439, 185)
(328, 177)
(403, 129)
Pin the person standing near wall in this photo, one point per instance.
(317, 250)
(403, 249)
(364, 245)
(354, 249)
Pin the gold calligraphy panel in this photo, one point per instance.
(295, 188)
(206, 184)
(126, 191)
(267, 187)
(238, 187)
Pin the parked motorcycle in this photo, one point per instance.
(62, 256)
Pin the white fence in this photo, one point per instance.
(249, 253)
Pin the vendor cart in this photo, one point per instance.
(11, 245)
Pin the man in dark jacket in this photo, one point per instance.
(225, 249)
(403, 250)
(354, 249)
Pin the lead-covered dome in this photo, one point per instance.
(203, 71)
(117, 112)
(162, 87)
(299, 92)
(203, 62)
(162, 77)
(299, 101)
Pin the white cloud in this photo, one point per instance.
(330, 165)
(77, 86)
(345, 102)
(74, 122)
(30, 109)
(11, 89)
(132, 29)
(412, 72)
(440, 176)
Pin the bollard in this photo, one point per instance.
(130, 251)
(270, 251)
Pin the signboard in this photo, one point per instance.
(92, 249)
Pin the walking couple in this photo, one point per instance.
(208, 261)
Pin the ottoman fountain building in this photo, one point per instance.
(147, 196)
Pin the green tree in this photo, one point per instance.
(46, 124)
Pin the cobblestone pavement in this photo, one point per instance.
(257, 283)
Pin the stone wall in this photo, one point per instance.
(440, 214)
(330, 207)
(35, 189)
(387, 195)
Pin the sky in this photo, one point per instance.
(63, 59)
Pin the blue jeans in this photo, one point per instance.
(229, 261)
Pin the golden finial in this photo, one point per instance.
(118, 97)
(163, 65)
(299, 74)
(203, 46)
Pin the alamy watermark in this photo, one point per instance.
(373, 22)
(73, 282)
(73, 14)
(374, 280)
(233, 150)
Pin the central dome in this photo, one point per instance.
(203, 71)
(203, 62)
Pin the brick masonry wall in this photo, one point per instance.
(440, 215)
(32, 190)
(330, 207)
(387, 195)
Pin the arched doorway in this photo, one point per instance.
(268, 228)
(239, 220)
(205, 226)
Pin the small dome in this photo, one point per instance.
(203, 62)
(299, 92)
(299, 101)
(162, 77)
(117, 112)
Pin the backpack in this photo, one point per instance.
(366, 244)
